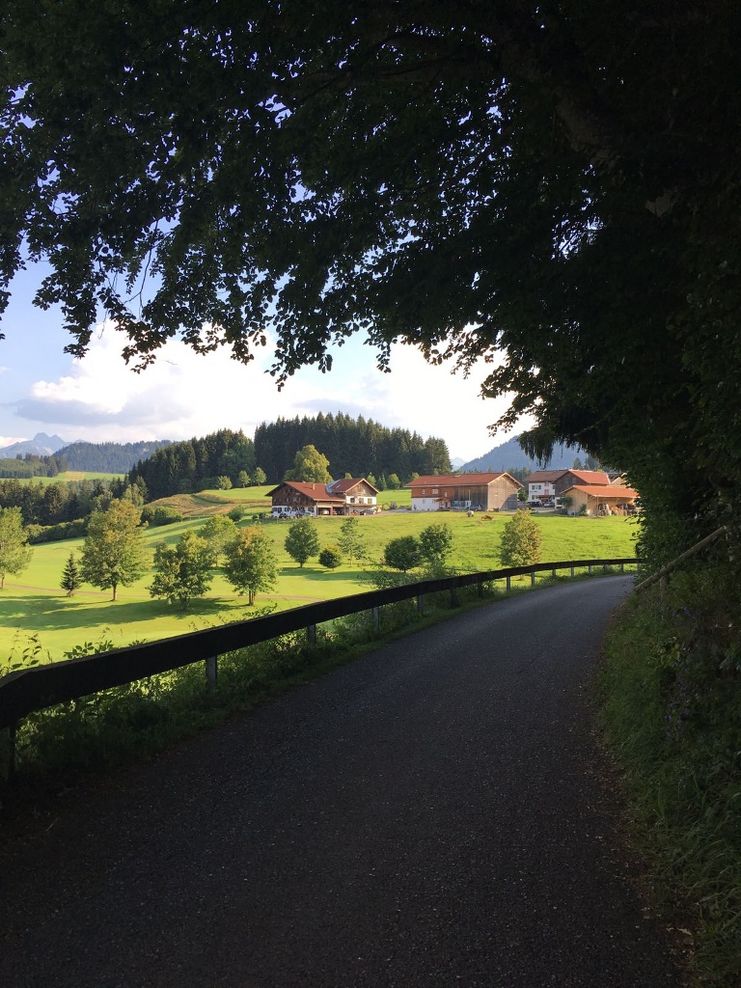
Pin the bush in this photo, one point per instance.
(402, 553)
(237, 513)
(161, 514)
(330, 557)
(520, 541)
(56, 533)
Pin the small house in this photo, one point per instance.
(361, 498)
(600, 499)
(590, 478)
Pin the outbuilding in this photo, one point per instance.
(464, 492)
(600, 499)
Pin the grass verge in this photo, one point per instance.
(670, 692)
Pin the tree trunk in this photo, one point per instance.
(115, 585)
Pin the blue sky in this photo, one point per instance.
(98, 398)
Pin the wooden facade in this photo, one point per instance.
(474, 491)
(297, 498)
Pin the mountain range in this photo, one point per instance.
(511, 456)
(40, 445)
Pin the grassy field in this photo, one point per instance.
(68, 475)
(33, 605)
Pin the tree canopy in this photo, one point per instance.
(556, 181)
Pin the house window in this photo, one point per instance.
(434, 490)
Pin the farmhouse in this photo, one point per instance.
(567, 479)
(361, 498)
(294, 497)
(600, 499)
(476, 491)
(540, 485)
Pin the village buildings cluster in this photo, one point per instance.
(590, 492)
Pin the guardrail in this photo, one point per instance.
(32, 689)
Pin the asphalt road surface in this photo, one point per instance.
(436, 813)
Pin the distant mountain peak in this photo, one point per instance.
(510, 456)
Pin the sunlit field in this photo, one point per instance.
(34, 605)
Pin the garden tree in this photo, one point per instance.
(350, 539)
(243, 479)
(183, 570)
(330, 557)
(436, 543)
(402, 553)
(15, 553)
(250, 563)
(310, 465)
(302, 541)
(393, 482)
(113, 553)
(224, 483)
(520, 540)
(71, 576)
(217, 530)
(555, 187)
(259, 477)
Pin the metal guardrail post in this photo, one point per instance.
(376, 612)
(508, 583)
(532, 579)
(212, 671)
(572, 569)
(420, 603)
(311, 635)
(589, 568)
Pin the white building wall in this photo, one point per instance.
(425, 504)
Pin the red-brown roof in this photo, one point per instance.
(316, 492)
(594, 477)
(602, 490)
(545, 476)
(347, 484)
(459, 479)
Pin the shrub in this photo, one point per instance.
(162, 514)
(402, 553)
(330, 557)
(520, 541)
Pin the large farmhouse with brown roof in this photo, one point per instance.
(592, 478)
(353, 495)
(474, 491)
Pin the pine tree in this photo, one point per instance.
(71, 576)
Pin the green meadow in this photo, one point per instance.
(67, 476)
(35, 614)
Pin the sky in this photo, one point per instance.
(99, 399)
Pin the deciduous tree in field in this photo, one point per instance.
(250, 563)
(259, 477)
(350, 540)
(15, 553)
(113, 552)
(217, 531)
(436, 544)
(182, 571)
(520, 540)
(71, 575)
(302, 541)
(310, 465)
(402, 553)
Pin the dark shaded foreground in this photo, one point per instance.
(436, 813)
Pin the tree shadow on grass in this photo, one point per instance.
(43, 613)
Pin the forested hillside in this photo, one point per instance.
(31, 465)
(108, 457)
(511, 455)
(356, 446)
(195, 464)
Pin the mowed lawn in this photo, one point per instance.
(33, 604)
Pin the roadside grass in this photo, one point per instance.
(670, 692)
(34, 605)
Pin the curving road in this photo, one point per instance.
(435, 814)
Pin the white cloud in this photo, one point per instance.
(184, 394)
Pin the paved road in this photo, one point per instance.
(434, 814)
